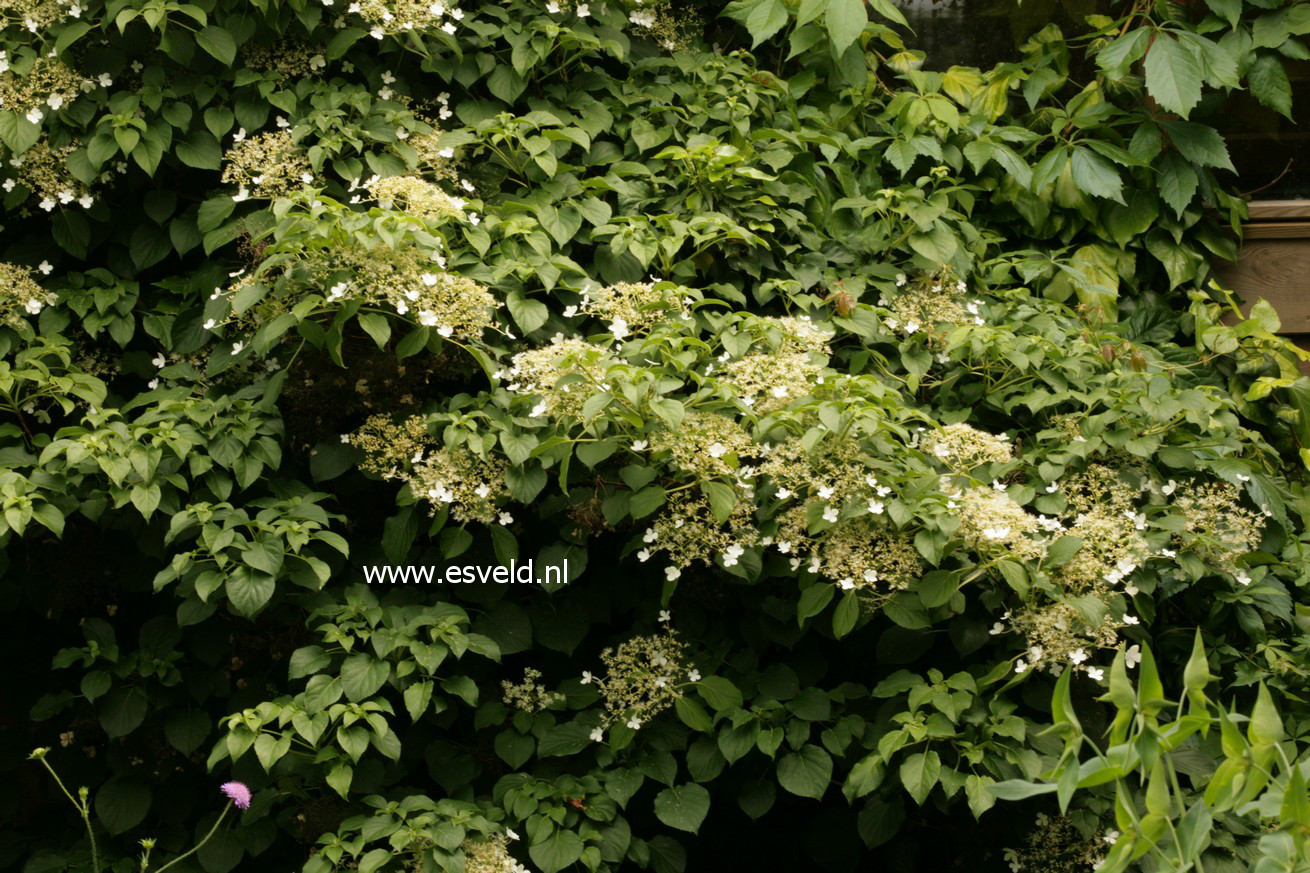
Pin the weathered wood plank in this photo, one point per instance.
(1277, 230)
(1266, 210)
(1277, 270)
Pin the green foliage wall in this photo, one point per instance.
(888, 420)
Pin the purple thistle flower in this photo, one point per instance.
(239, 792)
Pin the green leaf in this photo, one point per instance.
(765, 19)
(1173, 74)
(647, 500)
(719, 693)
(683, 807)
(249, 591)
(122, 711)
(1266, 728)
(377, 326)
(1096, 175)
(200, 150)
(1198, 143)
(506, 84)
(806, 772)
(722, 498)
(122, 803)
(1267, 80)
(557, 851)
(362, 675)
(1020, 789)
(845, 20)
(919, 773)
(218, 43)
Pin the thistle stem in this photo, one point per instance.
(222, 815)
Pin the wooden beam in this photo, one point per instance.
(1275, 210)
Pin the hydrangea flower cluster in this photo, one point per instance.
(409, 280)
(415, 196)
(265, 165)
(644, 676)
(48, 86)
(490, 855)
(21, 295)
(529, 695)
(563, 374)
(43, 171)
(392, 17)
(962, 446)
(636, 307)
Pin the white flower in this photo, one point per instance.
(1053, 487)
(33, 307)
(830, 514)
(152, 384)
(997, 629)
(665, 615)
(448, 27)
(570, 311)
(717, 450)
(282, 122)
(731, 554)
(48, 204)
(474, 219)
(317, 62)
(1095, 673)
(307, 178)
(1131, 619)
(634, 723)
(1111, 836)
(693, 675)
(85, 201)
(639, 446)
(509, 832)
(643, 555)
(35, 116)
(538, 411)
(1035, 652)
(1168, 553)
(241, 194)
(825, 492)
(1243, 579)
(1020, 666)
(446, 331)
(911, 326)
(337, 291)
(377, 33)
(9, 185)
(597, 735)
(345, 439)
(45, 267)
(427, 318)
(1077, 656)
(587, 677)
(552, 7)
(875, 507)
(784, 493)
(237, 347)
(870, 575)
(900, 279)
(650, 535)
(1241, 478)
(208, 325)
(672, 573)
(55, 101)
(159, 361)
(1133, 656)
(619, 328)
(998, 485)
(505, 518)
(1169, 489)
